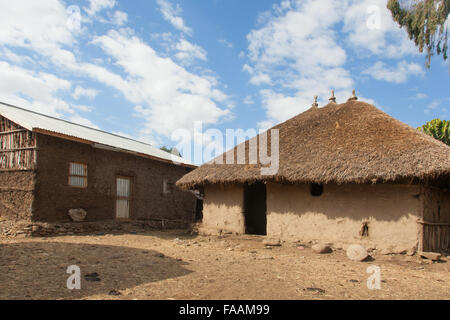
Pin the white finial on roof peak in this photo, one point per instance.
(315, 104)
(332, 98)
(353, 97)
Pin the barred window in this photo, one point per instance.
(78, 175)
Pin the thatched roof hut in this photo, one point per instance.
(352, 142)
(347, 173)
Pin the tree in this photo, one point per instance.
(171, 150)
(424, 20)
(438, 129)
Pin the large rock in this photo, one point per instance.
(431, 255)
(321, 248)
(356, 252)
(77, 215)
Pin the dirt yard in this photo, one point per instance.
(173, 265)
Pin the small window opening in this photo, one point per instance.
(316, 189)
(167, 187)
(364, 232)
(78, 175)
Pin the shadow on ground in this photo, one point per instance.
(38, 270)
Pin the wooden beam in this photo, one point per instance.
(434, 223)
(18, 149)
(62, 136)
(13, 131)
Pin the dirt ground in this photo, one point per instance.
(174, 265)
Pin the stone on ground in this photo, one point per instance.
(357, 252)
(431, 255)
(321, 248)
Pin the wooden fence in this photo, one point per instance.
(17, 146)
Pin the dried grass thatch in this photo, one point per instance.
(352, 142)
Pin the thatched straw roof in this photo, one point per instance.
(352, 142)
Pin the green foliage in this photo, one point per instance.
(438, 129)
(171, 150)
(424, 20)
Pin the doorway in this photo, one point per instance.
(199, 210)
(123, 197)
(255, 208)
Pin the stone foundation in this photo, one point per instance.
(24, 229)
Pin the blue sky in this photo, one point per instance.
(145, 68)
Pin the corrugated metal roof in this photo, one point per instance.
(34, 121)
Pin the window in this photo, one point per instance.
(167, 187)
(316, 189)
(78, 175)
(364, 232)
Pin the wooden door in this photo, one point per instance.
(123, 197)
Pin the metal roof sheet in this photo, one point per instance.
(32, 120)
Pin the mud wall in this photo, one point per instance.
(223, 208)
(54, 197)
(337, 216)
(16, 194)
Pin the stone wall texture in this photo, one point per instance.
(54, 197)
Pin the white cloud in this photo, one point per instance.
(83, 108)
(83, 121)
(34, 90)
(248, 100)
(169, 97)
(260, 78)
(399, 74)
(265, 125)
(187, 51)
(98, 5)
(172, 15)
(298, 47)
(281, 107)
(370, 28)
(296, 50)
(120, 18)
(300, 38)
(43, 27)
(226, 43)
(38, 91)
(83, 92)
(420, 95)
(248, 69)
(39, 24)
(15, 58)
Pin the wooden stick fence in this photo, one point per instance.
(17, 146)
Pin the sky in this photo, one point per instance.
(146, 69)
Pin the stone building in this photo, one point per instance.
(49, 166)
